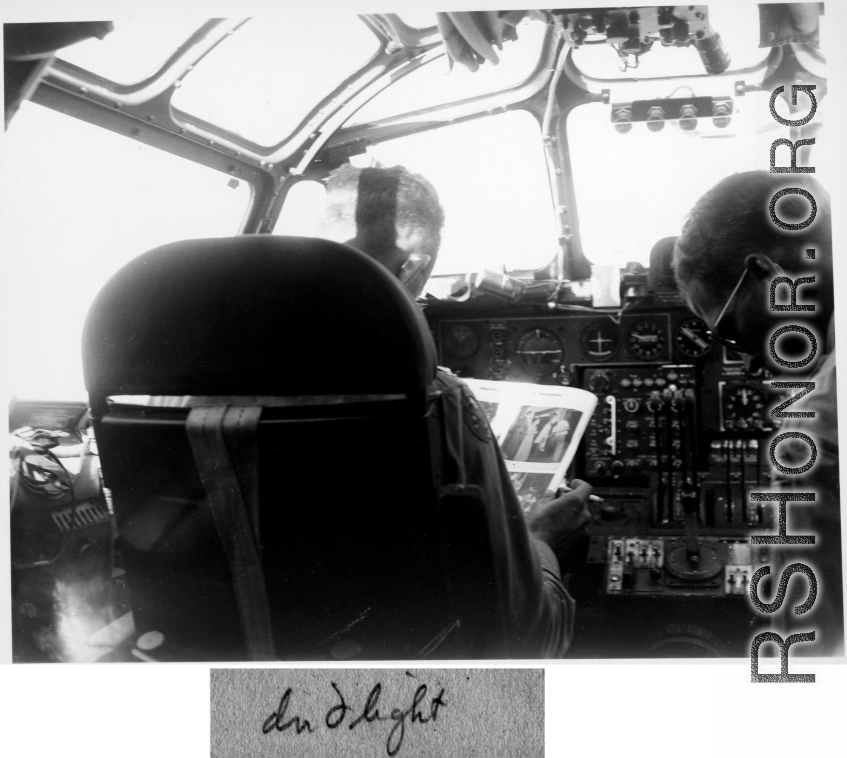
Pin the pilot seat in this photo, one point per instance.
(280, 493)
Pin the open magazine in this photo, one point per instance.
(538, 428)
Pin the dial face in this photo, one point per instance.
(647, 341)
(461, 341)
(693, 337)
(600, 341)
(744, 407)
(540, 352)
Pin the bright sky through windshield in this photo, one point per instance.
(640, 187)
(497, 206)
(79, 203)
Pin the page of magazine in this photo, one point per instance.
(538, 428)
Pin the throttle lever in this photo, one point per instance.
(689, 496)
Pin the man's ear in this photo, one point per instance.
(762, 266)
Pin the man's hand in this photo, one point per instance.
(558, 521)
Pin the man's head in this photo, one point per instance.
(729, 231)
(391, 214)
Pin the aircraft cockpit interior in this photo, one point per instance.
(165, 184)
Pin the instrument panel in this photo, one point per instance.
(673, 449)
(559, 349)
(533, 349)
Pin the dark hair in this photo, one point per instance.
(419, 216)
(732, 220)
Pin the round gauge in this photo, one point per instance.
(647, 341)
(744, 407)
(540, 352)
(600, 341)
(693, 337)
(461, 341)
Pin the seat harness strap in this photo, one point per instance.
(224, 443)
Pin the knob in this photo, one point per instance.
(631, 405)
(617, 468)
(598, 382)
(655, 575)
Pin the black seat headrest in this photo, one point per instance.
(255, 315)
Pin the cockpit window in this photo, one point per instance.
(302, 210)
(261, 81)
(79, 203)
(639, 188)
(135, 48)
(737, 24)
(492, 181)
(436, 83)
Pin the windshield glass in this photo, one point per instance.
(497, 204)
(79, 203)
(261, 81)
(436, 83)
(639, 188)
(497, 208)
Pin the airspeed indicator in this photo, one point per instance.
(647, 341)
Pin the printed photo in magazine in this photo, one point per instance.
(538, 428)
(423, 336)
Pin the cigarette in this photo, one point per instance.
(592, 498)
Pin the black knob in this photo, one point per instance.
(598, 382)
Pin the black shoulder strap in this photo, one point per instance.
(232, 488)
